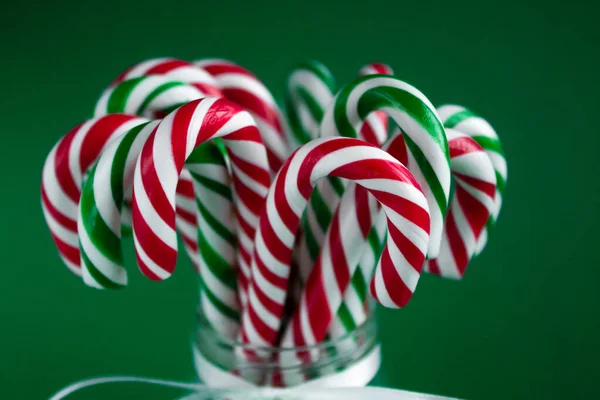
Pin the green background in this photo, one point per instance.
(524, 321)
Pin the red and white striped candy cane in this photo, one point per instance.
(471, 207)
(63, 173)
(161, 161)
(174, 69)
(245, 89)
(372, 168)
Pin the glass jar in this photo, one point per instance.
(352, 360)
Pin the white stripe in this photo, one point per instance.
(64, 234)
(74, 152)
(219, 321)
(112, 271)
(171, 97)
(274, 266)
(271, 291)
(247, 83)
(143, 67)
(151, 265)
(164, 232)
(221, 291)
(251, 333)
(414, 233)
(272, 321)
(405, 271)
(397, 188)
(56, 196)
(382, 295)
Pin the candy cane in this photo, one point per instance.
(245, 89)
(310, 88)
(352, 311)
(153, 96)
(62, 178)
(174, 69)
(160, 164)
(102, 198)
(471, 207)
(374, 169)
(481, 131)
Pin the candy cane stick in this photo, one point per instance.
(245, 89)
(374, 169)
(310, 88)
(102, 198)
(481, 131)
(471, 207)
(160, 164)
(62, 178)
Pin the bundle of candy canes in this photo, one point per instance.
(352, 190)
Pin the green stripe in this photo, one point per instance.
(322, 213)
(117, 168)
(217, 264)
(311, 242)
(120, 93)
(346, 318)
(219, 305)
(338, 185)
(489, 144)
(359, 284)
(429, 174)
(215, 224)
(97, 275)
(157, 92)
(212, 185)
(100, 234)
(207, 153)
(386, 96)
(459, 117)
(293, 117)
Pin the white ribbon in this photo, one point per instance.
(340, 385)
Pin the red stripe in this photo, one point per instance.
(375, 168)
(167, 66)
(255, 172)
(248, 133)
(476, 212)
(161, 254)
(179, 133)
(406, 208)
(63, 220)
(186, 216)
(289, 218)
(226, 68)
(96, 138)
(397, 290)
(463, 145)
(208, 89)
(368, 134)
(61, 166)
(152, 185)
(245, 227)
(219, 113)
(363, 212)
(381, 68)
(456, 244)
(252, 200)
(279, 252)
(145, 270)
(67, 251)
(185, 188)
(274, 307)
(256, 105)
(263, 329)
(315, 155)
(341, 269)
(397, 149)
(482, 186)
(316, 302)
(434, 268)
(413, 255)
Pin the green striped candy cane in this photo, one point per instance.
(469, 123)
(427, 146)
(310, 87)
(154, 96)
(216, 238)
